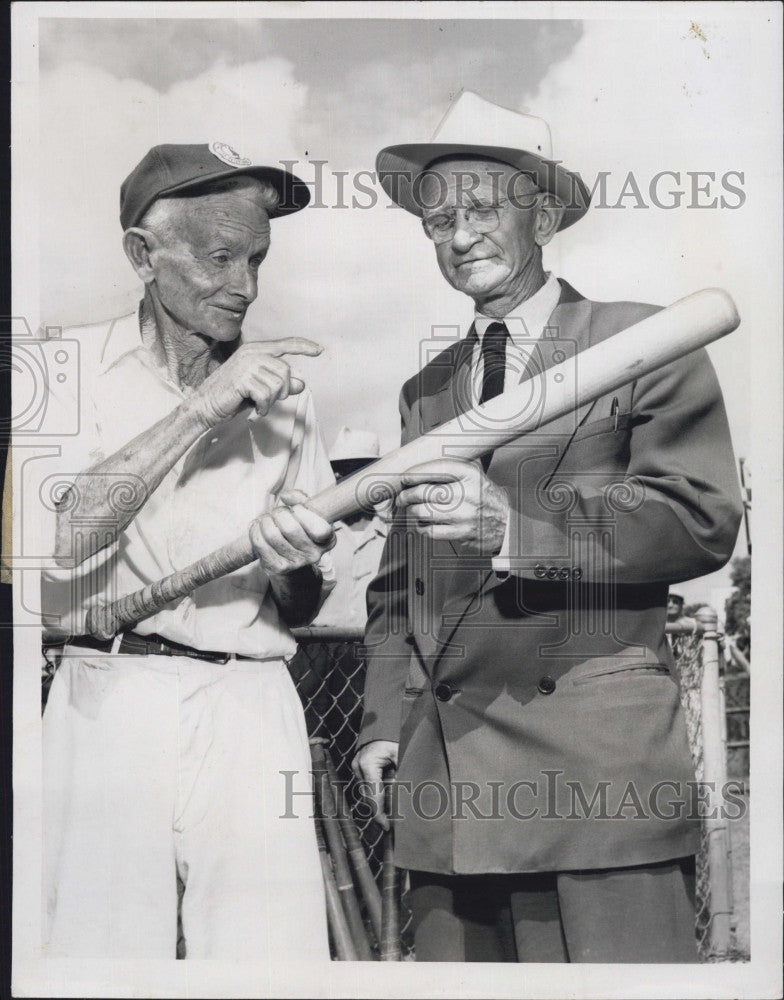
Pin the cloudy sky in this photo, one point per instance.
(641, 95)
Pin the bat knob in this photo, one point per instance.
(100, 622)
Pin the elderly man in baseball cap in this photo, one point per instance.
(518, 672)
(163, 748)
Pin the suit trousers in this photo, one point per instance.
(157, 767)
(640, 914)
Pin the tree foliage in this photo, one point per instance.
(737, 610)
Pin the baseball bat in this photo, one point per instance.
(356, 852)
(336, 918)
(325, 801)
(389, 945)
(659, 339)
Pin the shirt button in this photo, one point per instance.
(546, 684)
(443, 691)
(419, 586)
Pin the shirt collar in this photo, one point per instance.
(527, 320)
(376, 526)
(123, 336)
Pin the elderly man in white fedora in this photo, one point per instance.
(164, 747)
(518, 672)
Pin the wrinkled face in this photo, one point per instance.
(206, 262)
(483, 264)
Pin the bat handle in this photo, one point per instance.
(106, 620)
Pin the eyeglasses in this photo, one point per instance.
(481, 218)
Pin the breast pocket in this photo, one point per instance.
(602, 445)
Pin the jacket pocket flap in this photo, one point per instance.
(609, 669)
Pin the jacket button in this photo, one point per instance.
(546, 684)
(564, 573)
(552, 573)
(443, 691)
(577, 573)
(539, 571)
(419, 586)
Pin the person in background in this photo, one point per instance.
(675, 613)
(675, 616)
(328, 671)
(360, 538)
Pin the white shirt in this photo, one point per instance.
(526, 324)
(229, 476)
(355, 558)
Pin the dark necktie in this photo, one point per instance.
(494, 360)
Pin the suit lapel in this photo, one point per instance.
(432, 567)
(455, 396)
(568, 332)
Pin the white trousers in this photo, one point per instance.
(156, 765)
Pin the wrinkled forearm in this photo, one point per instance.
(112, 492)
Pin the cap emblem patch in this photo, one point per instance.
(227, 155)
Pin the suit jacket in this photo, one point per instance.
(537, 712)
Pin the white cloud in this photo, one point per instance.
(651, 96)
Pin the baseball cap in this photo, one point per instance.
(172, 169)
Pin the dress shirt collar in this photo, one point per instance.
(376, 526)
(527, 320)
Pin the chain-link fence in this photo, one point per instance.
(329, 674)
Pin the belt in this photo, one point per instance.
(131, 643)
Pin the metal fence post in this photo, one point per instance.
(715, 779)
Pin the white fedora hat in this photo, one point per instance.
(474, 127)
(351, 445)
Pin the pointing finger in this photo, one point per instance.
(292, 345)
